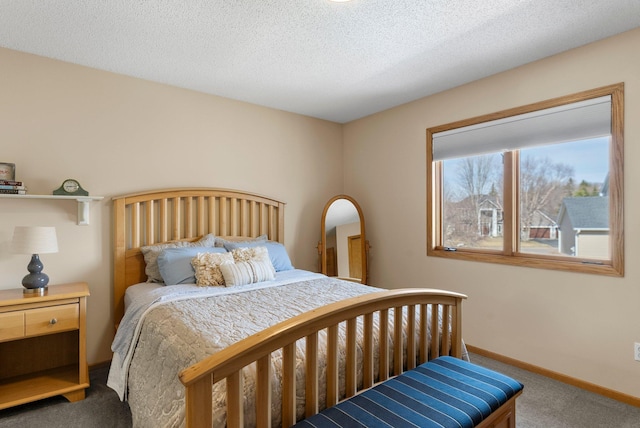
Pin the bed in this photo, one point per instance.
(171, 340)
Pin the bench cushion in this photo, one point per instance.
(444, 392)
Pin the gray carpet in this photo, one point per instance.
(545, 403)
(100, 409)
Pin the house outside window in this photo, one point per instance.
(538, 185)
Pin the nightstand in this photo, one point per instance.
(43, 344)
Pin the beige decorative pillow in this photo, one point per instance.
(207, 268)
(244, 254)
(241, 273)
(151, 253)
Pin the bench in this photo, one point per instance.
(445, 392)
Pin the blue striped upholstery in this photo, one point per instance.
(445, 392)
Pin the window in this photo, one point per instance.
(539, 185)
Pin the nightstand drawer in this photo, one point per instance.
(52, 319)
(11, 325)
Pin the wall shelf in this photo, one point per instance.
(83, 203)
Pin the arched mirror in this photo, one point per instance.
(343, 247)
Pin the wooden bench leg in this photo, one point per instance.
(503, 417)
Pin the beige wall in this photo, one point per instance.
(581, 325)
(118, 135)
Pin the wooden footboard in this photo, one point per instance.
(443, 320)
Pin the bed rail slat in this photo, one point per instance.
(435, 331)
(289, 385)
(150, 222)
(384, 345)
(424, 343)
(456, 339)
(351, 368)
(211, 217)
(200, 205)
(235, 405)
(252, 219)
(162, 222)
(311, 376)
(332, 365)
(367, 363)
(233, 222)
(273, 224)
(188, 220)
(446, 329)
(246, 218)
(224, 218)
(397, 341)
(411, 334)
(176, 219)
(263, 392)
(261, 215)
(199, 407)
(135, 225)
(271, 229)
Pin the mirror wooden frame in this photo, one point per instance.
(322, 245)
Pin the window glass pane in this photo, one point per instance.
(564, 200)
(473, 202)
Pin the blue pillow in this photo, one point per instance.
(277, 252)
(175, 263)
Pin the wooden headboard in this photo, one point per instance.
(183, 214)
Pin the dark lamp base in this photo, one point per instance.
(36, 281)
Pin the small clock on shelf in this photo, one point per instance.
(70, 187)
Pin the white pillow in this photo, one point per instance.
(242, 273)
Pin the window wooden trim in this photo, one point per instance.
(510, 254)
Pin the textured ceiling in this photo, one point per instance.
(335, 61)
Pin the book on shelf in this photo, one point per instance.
(13, 191)
(11, 183)
(9, 187)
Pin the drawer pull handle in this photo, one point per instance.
(53, 321)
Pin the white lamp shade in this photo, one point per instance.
(35, 240)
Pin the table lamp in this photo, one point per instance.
(35, 240)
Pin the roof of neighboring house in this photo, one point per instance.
(483, 201)
(489, 201)
(591, 212)
(540, 219)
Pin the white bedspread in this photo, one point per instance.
(144, 297)
(171, 328)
